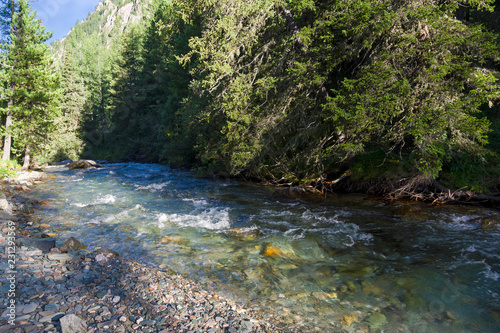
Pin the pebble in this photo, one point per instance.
(30, 308)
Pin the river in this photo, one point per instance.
(342, 264)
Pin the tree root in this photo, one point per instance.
(421, 188)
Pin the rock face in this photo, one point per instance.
(295, 192)
(84, 164)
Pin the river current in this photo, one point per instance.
(342, 264)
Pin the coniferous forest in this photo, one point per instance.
(390, 95)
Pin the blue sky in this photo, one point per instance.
(61, 15)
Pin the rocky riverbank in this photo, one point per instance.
(69, 289)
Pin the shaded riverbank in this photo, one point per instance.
(108, 292)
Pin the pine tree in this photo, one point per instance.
(35, 92)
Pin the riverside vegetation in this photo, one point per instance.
(400, 94)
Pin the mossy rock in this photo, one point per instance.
(376, 321)
(490, 222)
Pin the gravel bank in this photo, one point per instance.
(71, 290)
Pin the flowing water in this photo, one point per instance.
(344, 264)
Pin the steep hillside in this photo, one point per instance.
(105, 24)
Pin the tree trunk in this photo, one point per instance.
(8, 122)
(27, 158)
(8, 138)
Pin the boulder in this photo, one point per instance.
(4, 203)
(73, 324)
(8, 216)
(84, 164)
(107, 252)
(295, 192)
(43, 244)
(72, 244)
(28, 176)
(23, 208)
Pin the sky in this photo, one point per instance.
(60, 16)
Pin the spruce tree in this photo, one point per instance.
(34, 94)
(66, 141)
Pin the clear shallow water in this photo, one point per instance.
(342, 264)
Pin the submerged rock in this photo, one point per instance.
(107, 252)
(170, 239)
(490, 222)
(412, 211)
(376, 321)
(271, 250)
(244, 234)
(84, 164)
(295, 192)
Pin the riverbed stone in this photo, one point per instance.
(490, 222)
(72, 244)
(4, 215)
(30, 308)
(73, 324)
(62, 257)
(84, 164)
(272, 250)
(4, 204)
(43, 244)
(376, 321)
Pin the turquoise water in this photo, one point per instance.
(344, 264)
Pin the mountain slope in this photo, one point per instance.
(106, 23)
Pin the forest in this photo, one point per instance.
(378, 96)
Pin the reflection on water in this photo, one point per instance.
(343, 264)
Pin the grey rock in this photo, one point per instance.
(84, 164)
(72, 244)
(23, 208)
(44, 244)
(73, 324)
(62, 257)
(52, 317)
(8, 216)
(30, 308)
(4, 204)
(51, 307)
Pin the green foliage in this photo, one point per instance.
(292, 90)
(32, 83)
(8, 169)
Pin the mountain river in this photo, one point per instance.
(340, 264)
